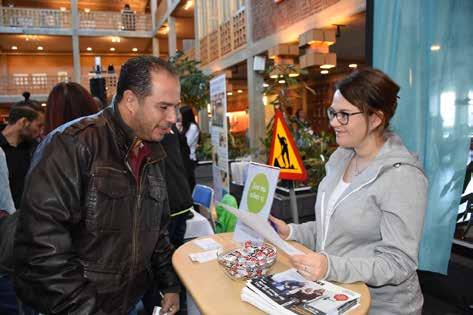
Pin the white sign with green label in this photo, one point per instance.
(257, 198)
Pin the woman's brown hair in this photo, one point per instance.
(66, 102)
(372, 91)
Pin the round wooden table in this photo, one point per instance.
(215, 293)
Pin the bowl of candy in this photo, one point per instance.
(247, 261)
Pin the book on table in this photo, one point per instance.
(290, 293)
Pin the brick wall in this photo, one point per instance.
(269, 17)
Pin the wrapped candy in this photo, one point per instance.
(249, 261)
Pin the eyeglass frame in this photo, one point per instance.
(331, 114)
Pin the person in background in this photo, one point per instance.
(128, 18)
(17, 139)
(370, 206)
(8, 302)
(180, 199)
(7, 206)
(191, 130)
(93, 235)
(301, 119)
(301, 128)
(66, 102)
(24, 125)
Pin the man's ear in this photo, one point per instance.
(23, 122)
(131, 101)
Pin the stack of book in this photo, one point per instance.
(290, 293)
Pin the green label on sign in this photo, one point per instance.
(258, 193)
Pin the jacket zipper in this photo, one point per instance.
(135, 225)
(325, 230)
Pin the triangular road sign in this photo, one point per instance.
(284, 153)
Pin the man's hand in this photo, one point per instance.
(170, 304)
(3, 213)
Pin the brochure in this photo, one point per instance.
(256, 199)
(290, 293)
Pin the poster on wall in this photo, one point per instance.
(219, 134)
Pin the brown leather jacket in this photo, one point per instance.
(89, 239)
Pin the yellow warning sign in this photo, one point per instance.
(284, 153)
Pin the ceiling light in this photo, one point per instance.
(112, 49)
(89, 48)
(188, 4)
(229, 93)
(327, 66)
(239, 91)
(294, 74)
(115, 39)
(324, 72)
(40, 48)
(163, 30)
(135, 49)
(14, 47)
(435, 47)
(282, 81)
(265, 84)
(274, 76)
(353, 65)
(62, 9)
(43, 104)
(86, 10)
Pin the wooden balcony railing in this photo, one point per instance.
(57, 19)
(34, 18)
(42, 83)
(229, 36)
(105, 20)
(35, 83)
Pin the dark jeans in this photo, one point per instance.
(177, 229)
(8, 302)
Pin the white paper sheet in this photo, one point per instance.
(207, 243)
(204, 256)
(263, 228)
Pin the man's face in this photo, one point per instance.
(156, 113)
(33, 129)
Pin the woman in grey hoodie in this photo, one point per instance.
(370, 206)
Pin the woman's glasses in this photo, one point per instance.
(342, 117)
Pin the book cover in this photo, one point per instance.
(290, 293)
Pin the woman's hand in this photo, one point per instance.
(312, 266)
(281, 227)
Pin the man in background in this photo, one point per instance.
(17, 139)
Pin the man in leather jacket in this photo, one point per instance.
(92, 233)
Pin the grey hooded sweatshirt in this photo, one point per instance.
(374, 228)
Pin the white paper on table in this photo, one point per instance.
(207, 243)
(204, 256)
(263, 228)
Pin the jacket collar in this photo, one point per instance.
(126, 136)
(391, 153)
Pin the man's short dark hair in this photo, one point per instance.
(27, 108)
(135, 75)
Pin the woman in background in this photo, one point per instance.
(191, 130)
(370, 206)
(66, 102)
